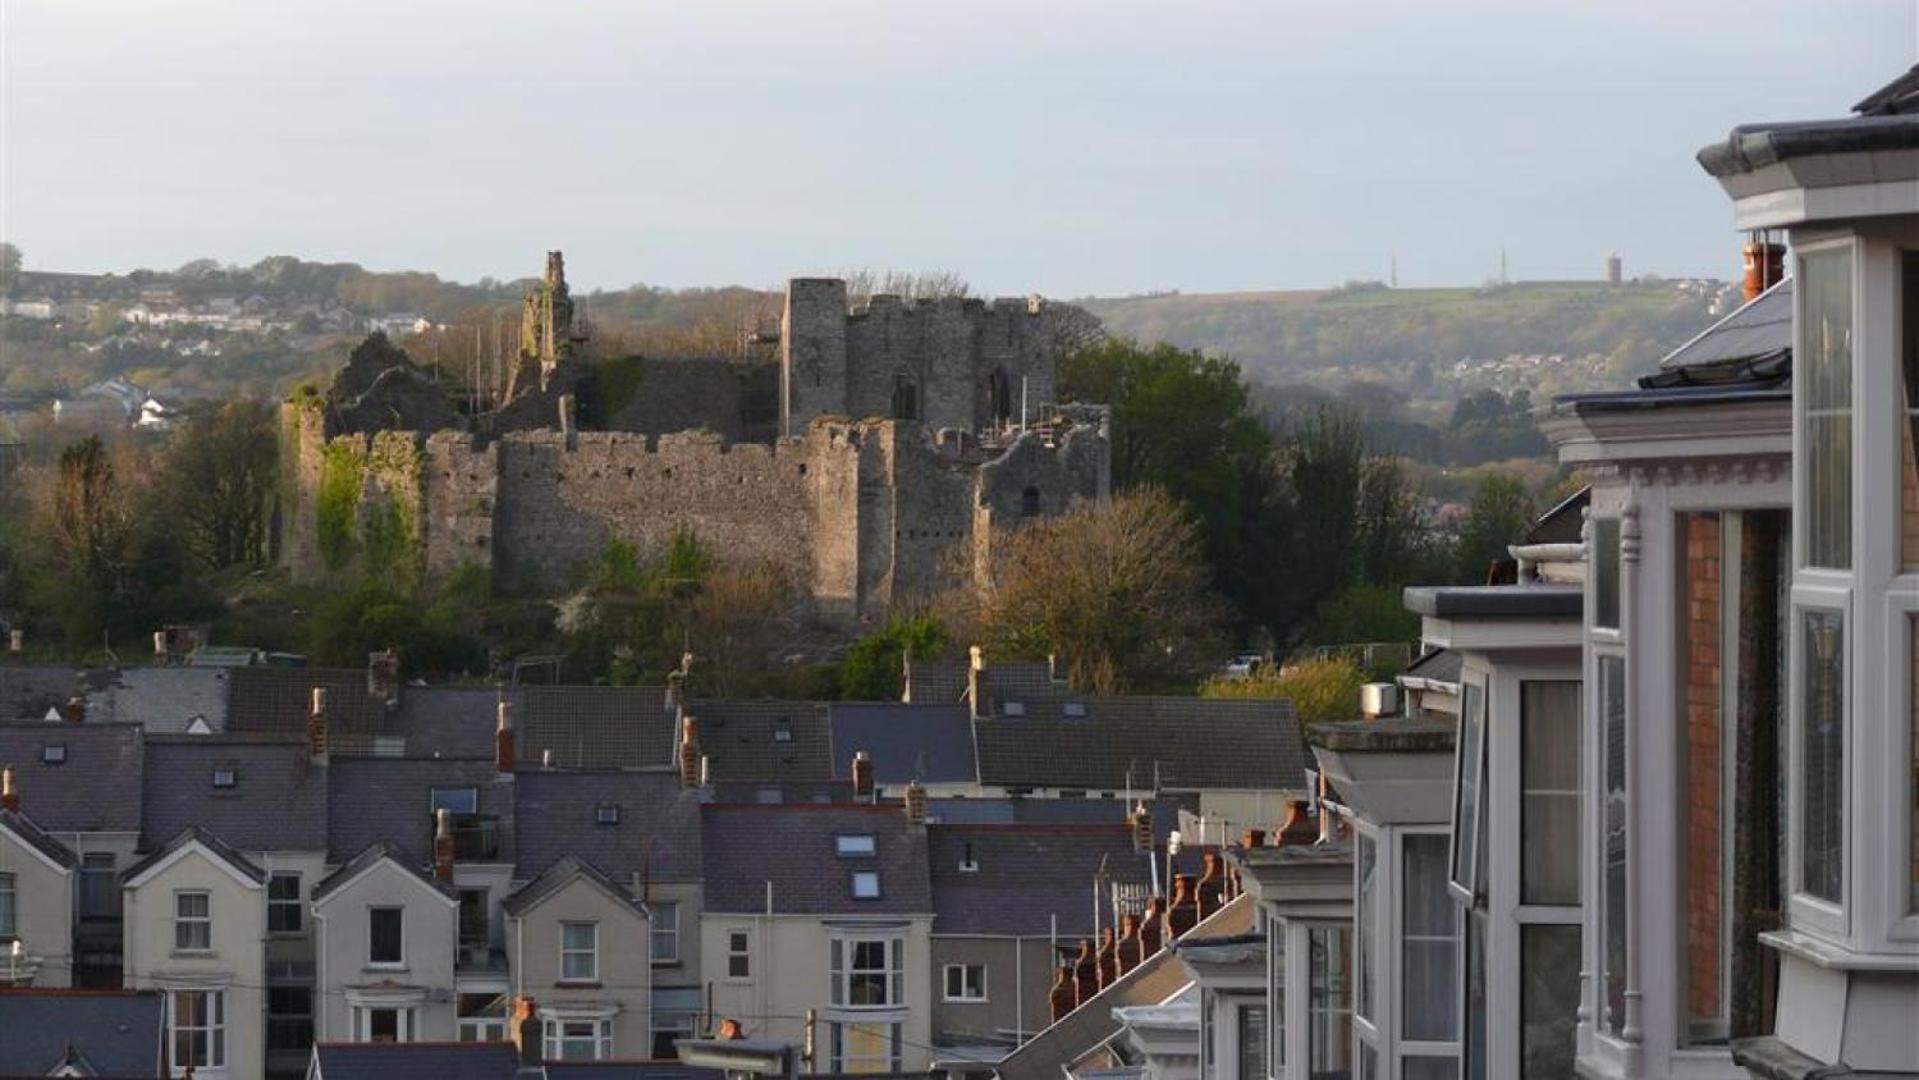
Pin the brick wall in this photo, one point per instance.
(1703, 782)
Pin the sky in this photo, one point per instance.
(1057, 146)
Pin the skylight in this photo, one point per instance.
(866, 885)
(857, 845)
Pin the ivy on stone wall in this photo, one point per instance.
(392, 549)
(336, 505)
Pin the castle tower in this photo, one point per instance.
(546, 329)
(812, 352)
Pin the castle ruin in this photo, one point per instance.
(877, 460)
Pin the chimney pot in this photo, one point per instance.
(1254, 838)
(916, 803)
(443, 845)
(526, 1031)
(76, 710)
(1108, 958)
(9, 794)
(160, 643)
(1086, 971)
(1064, 997)
(383, 677)
(1184, 914)
(1212, 884)
(1128, 953)
(975, 688)
(1151, 928)
(691, 769)
(1765, 265)
(317, 727)
(730, 1029)
(505, 755)
(862, 775)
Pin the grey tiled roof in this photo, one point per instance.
(26, 693)
(743, 740)
(930, 743)
(35, 837)
(117, 1033)
(370, 855)
(453, 721)
(276, 701)
(1187, 743)
(943, 682)
(374, 800)
(195, 834)
(554, 816)
(793, 847)
(1437, 665)
(628, 1070)
(97, 788)
(1758, 328)
(278, 801)
(597, 727)
(555, 877)
(415, 1061)
(1027, 876)
(160, 699)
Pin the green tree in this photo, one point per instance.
(222, 473)
(85, 517)
(10, 261)
(874, 664)
(1322, 689)
(1500, 512)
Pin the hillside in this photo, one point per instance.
(1436, 344)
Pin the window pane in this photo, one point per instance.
(1612, 708)
(1365, 914)
(1549, 785)
(1430, 1068)
(1912, 717)
(1430, 960)
(1822, 810)
(383, 935)
(1705, 894)
(6, 905)
(1475, 1048)
(1824, 355)
(1548, 999)
(1605, 567)
(1252, 1042)
(1276, 993)
(1909, 431)
(1466, 790)
(1329, 1001)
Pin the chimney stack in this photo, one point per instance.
(383, 677)
(316, 727)
(504, 753)
(9, 795)
(975, 692)
(16, 641)
(1142, 822)
(75, 710)
(916, 803)
(525, 1032)
(1765, 265)
(443, 845)
(862, 775)
(690, 751)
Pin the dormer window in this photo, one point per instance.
(1013, 708)
(606, 815)
(225, 776)
(783, 731)
(1074, 710)
(855, 847)
(866, 885)
(53, 754)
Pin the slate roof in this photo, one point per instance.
(556, 876)
(117, 1033)
(628, 1070)
(794, 847)
(276, 701)
(742, 740)
(375, 853)
(1563, 523)
(929, 743)
(943, 682)
(373, 800)
(1436, 665)
(1757, 329)
(278, 801)
(1193, 743)
(1027, 875)
(97, 788)
(415, 1061)
(1496, 601)
(33, 836)
(26, 693)
(160, 699)
(194, 834)
(554, 816)
(453, 721)
(597, 727)
(1901, 95)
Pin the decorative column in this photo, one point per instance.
(1629, 544)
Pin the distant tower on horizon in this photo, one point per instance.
(1615, 269)
(1392, 276)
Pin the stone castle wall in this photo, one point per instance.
(965, 363)
(861, 515)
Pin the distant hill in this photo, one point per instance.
(1433, 343)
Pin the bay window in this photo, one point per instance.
(863, 1047)
(1276, 996)
(1612, 824)
(1548, 999)
(1429, 945)
(482, 1017)
(1605, 570)
(1822, 370)
(1250, 1040)
(1329, 1001)
(1549, 792)
(1469, 770)
(1820, 821)
(868, 973)
(577, 1038)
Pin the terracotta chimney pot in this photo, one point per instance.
(317, 727)
(1152, 928)
(505, 752)
(916, 803)
(1211, 894)
(1086, 971)
(689, 751)
(1254, 838)
(1064, 997)
(1184, 914)
(862, 775)
(1108, 958)
(443, 845)
(9, 794)
(1128, 951)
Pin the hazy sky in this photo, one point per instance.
(1062, 147)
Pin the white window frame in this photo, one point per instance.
(1474, 710)
(855, 846)
(1392, 1003)
(183, 922)
(858, 881)
(385, 965)
(664, 929)
(1806, 912)
(1802, 479)
(968, 994)
(297, 903)
(1367, 944)
(481, 1028)
(554, 1035)
(839, 1061)
(739, 946)
(403, 1026)
(842, 948)
(215, 1028)
(10, 893)
(573, 952)
(1902, 608)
